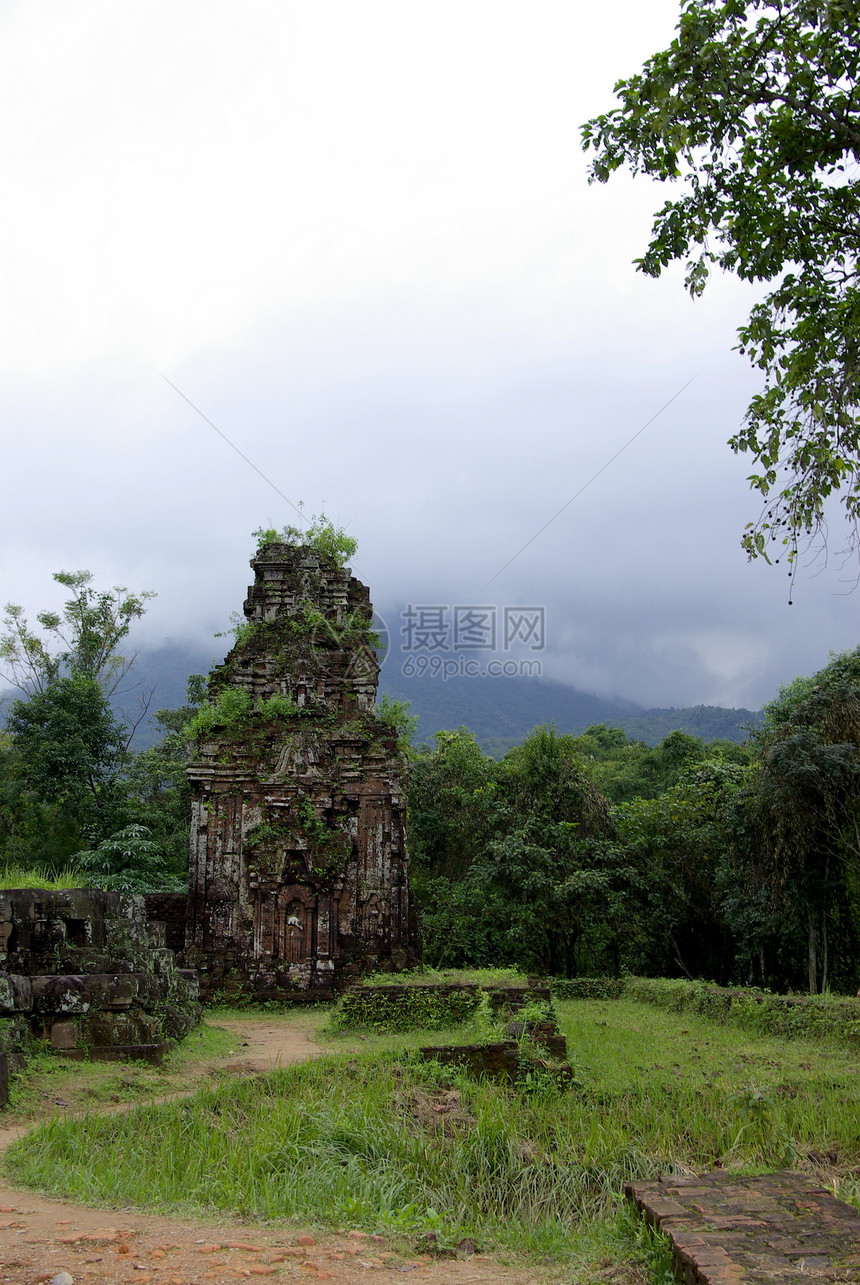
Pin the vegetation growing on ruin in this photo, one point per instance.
(397, 714)
(234, 710)
(321, 535)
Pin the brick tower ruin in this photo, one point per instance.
(297, 871)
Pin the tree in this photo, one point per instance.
(499, 865)
(69, 751)
(805, 809)
(755, 109)
(62, 769)
(85, 637)
(680, 842)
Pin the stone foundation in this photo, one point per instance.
(87, 973)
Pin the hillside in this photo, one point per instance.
(499, 711)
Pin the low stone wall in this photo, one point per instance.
(409, 1006)
(413, 1004)
(546, 1034)
(83, 970)
(510, 999)
(499, 1061)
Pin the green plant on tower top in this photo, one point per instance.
(330, 542)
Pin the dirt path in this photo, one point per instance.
(45, 1240)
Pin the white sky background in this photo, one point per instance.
(359, 237)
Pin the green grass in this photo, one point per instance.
(52, 1083)
(831, 1018)
(20, 877)
(699, 1094)
(354, 1139)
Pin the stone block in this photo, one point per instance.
(499, 1061)
(16, 994)
(63, 994)
(152, 1053)
(122, 991)
(176, 1024)
(64, 1035)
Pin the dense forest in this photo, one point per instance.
(569, 855)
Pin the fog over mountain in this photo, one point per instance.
(359, 242)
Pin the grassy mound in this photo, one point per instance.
(385, 1144)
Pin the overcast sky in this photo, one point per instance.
(360, 239)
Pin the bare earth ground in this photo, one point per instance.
(41, 1239)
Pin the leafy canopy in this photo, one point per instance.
(81, 641)
(805, 803)
(755, 110)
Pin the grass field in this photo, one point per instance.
(365, 1138)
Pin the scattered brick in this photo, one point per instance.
(727, 1229)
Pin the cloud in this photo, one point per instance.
(360, 239)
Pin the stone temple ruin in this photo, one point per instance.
(297, 873)
(297, 869)
(89, 973)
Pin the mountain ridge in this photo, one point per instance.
(499, 711)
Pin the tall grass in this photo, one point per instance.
(390, 1145)
(13, 876)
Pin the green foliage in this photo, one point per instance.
(625, 770)
(234, 709)
(69, 752)
(231, 708)
(128, 861)
(754, 108)
(242, 631)
(804, 807)
(81, 640)
(156, 786)
(405, 1008)
(396, 713)
(522, 862)
(423, 975)
(313, 825)
(64, 756)
(330, 542)
(501, 857)
(586, 987)
(71, 876)
(680, 840)
(817, 1017)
